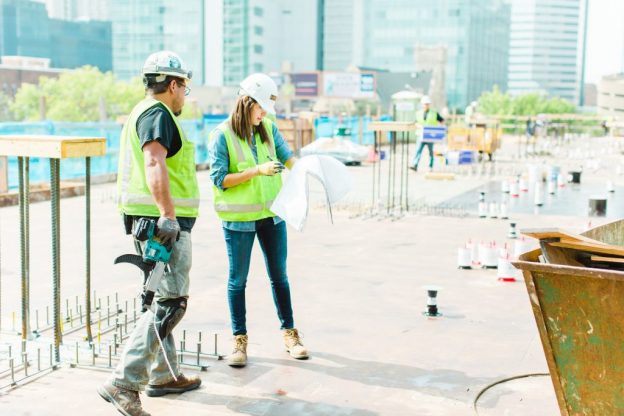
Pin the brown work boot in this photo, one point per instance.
(126, 401)
(183, 384)
(294, 345)
(238, 358)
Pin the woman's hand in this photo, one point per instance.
(270, 168)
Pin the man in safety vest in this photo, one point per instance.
(426, 117)
(156, 179)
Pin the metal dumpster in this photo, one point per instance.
(579, 313)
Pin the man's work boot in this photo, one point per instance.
(183, 384)
(294, 345)
(126, 401)
(238, 358)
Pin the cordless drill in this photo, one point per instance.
(153, 260)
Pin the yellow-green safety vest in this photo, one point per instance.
(250, 200)
(432, 118)
(133, 194)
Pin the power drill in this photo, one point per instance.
(153, 260)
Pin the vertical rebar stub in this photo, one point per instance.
(432, 301)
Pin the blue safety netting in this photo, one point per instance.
(327, 126)
(197, 131)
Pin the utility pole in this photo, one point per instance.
(583, 53)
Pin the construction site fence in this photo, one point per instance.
(74, 168)
(360, 134)
(198, 131)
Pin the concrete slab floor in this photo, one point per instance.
(358, 298)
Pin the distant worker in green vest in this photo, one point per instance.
(426, 117)
(247, 155)
(156, 180)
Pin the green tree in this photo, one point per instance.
(497, 103)
(75, 96)
(527, 104)
(25, 106)
(557, 105)
(5, 112)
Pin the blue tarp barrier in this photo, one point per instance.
(326, 126)
(197, 131)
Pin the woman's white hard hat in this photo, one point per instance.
(262, 89)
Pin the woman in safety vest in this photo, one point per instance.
(247, 155)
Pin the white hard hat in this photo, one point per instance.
(474, 103)
(261, 88)
(425, 100)
(165, 63)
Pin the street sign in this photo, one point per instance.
(349, 85)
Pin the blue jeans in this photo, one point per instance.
(273, 241)
(421, 146)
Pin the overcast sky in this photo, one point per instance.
(605, 39)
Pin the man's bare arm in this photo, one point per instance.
(155, 155)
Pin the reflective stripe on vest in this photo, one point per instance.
(134, 196)
(243, 207)
(148, 200)
(239, 149)
(250, 200)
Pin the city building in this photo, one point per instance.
(546, 51)
(18, 70)
(78, 43)
(611, 95)
(61, 9)
(591, 96)
(26, 30)
(141, 27)
(270, 36)
(398, 35)
(343, 35)
(213, 59)
(78, 9)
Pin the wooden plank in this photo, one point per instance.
(58, 147)
(83, 149)
(543, 233)
(440, 176)
(591, 248)
(392, 126)
(608, 259)
(559, 255)
(4, 174)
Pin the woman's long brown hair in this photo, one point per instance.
(241, 120)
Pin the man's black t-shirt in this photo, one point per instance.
(157, 124)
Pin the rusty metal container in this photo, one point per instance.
(579, 313)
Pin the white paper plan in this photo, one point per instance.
(292, 202)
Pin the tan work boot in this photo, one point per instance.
(183, 384)
(238, 358)
(126, 401)
(294, 345)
